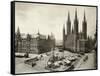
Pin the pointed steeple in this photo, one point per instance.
(68, 17)
(18, 31)
(84, 16)
(68, 24)
(76, 14)
(76, 30)
(84, 27)
(18, 34)
(76, 23)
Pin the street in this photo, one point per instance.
(21, 67)
(89, 64)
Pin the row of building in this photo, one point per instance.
(37, 43)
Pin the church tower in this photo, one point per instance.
(63, 37)
(75, 31)
(18, 41)
(76, 24)
(18, 34)
(18, 31)
(84, 27)
(68, 24)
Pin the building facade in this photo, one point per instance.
(74, 40)
(33, 44)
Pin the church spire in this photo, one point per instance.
(68, 24)
(68, 16)
(84, 16)
(76, 30)
(76, 23)
(18, 34)
(76, 14)
(18, 31)
(84, 27)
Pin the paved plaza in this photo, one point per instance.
(21, 67)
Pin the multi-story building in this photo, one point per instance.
(33, 43)
(74, 40)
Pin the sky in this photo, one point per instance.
(47, 18)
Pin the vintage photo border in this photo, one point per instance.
(13, 36)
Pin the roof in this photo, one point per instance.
(24, 36)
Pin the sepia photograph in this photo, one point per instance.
(54, 37)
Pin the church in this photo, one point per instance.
(73, 40)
